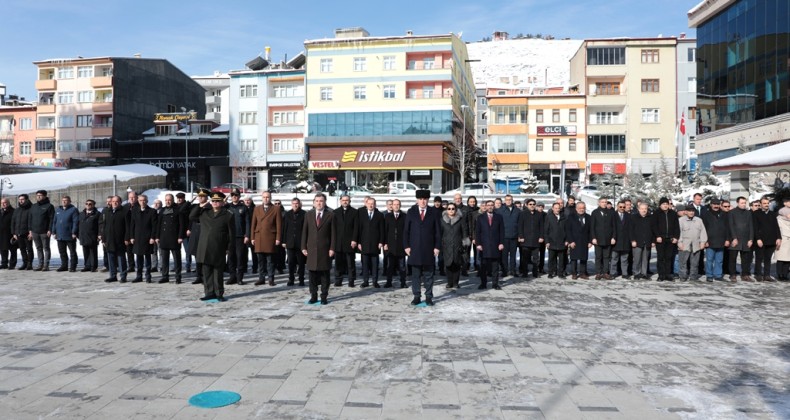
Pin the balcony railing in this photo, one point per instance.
(46, 84)
(433, 95)
(213, 100)
(419, 65)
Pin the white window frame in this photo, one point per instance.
(360, 92)
(326, 93)
(84, 72)
(84, 120)
(428, 91)
(651, 146)
(65, 121)
(25, 148)
(248, 118)
(389, 62)
(248, 91)
(429, 63)
(389, 91)
(65, 97)
(327, 65)
(65, 73)
(287, 145)
(360, 64)
(85, 96)
(287, 118)
(248, 145)
(25, 124)
(651, 116)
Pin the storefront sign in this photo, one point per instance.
(568, 165)
(379, 157)
(607, 168)
(375, 156)
(322, 164)
(277, 165)
(419, 172)
(175, 116)
(172, 164)
(557, 130)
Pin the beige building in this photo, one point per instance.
(630, 85)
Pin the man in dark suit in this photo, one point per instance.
(169, 235)
(142, 237)
(603, 232)
(347, 232)
(193, 233)
(371, 240)
(489, 241)
(556, 242)
(421, 242)
(318, 245)
(642, 241)
(237, 262)
(768, 238)
(217, 231)
(530, 237)
(394, 223)
(666, 230)
(577, 233)
(112, 233)
(622, 249)
(292, 241)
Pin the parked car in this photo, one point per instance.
(227, 187)
(401, 187)
(592, 188)
(477, 188)
(286, 187)
(358, 190)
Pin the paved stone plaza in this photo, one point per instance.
(72, 346)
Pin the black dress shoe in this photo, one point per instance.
(137, 280)
(260, 282)
(290, 283)
(123, 279)
(85, 270)
(376, 285)
(178, 281)
(148, 280)
(241, 283)
(62, 269)
(324, 302)
(231, 281)
(164, 280)
(204, 298)
(312, 301)
(496, 287)
(416, 301)
(222, 299)
(72, 270)
(110, 280)
(429, 302)
(197, 282)
(403, 285)
(387, 285)
(23, 267)
(481, 287)
(364, 284)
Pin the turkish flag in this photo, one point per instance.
(683, 123)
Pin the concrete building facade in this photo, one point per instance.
(217, 96)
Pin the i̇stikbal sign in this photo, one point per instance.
(375, 156)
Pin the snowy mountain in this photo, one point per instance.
(532, 61)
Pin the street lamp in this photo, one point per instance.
(463, 146)
(186, 151)
(5, 182)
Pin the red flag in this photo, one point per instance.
(683, 123)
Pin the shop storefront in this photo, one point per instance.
(551, 174)
(279, 172)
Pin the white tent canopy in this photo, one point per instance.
(60, 180)
(771, 158)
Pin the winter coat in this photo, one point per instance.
(422, 236)
(783, 252)
(5, 228)
(641, 230)
(20, 221)
(530, 228)
(490, 237)
(216, 235)
(141, 227)
(183, 211)
(766, 227)
(112, 227)
(266, 228)
(692, 234)
(240, 219)
(455, 239)
(580, 234)
(393, 233)
(666, 225)
(319, 239)
(40, 216)
(470, 216)
(603, 227)
(65, 223)
(170, 228)
(554, 232)
(622, 232)
(741, 227)
(716, 226)
(510, 216)
(371, 231)
(346, 227)
(89, 228)
(292, 229)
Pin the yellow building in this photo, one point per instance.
(392, 104)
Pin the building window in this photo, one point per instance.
(84, 71)
(649, 85)
(25, 123)
(606, 143)
(360, 64)
(65, 97)
(45, 145)
(427, 63)
(692, 55)
(571, 145)
(427, 92)
(326, 93)
(692, 113)
(650, 56)
(360, 92)
(650, 146)
(248, 145)
(651, 115)
(25, 148)
(286, 145)
(83, 145)
(605, 56)
(65, 73)
(248, 91)
(606, 117)
(555, 115)
(85, 96)
(692, 84)
(572, 115)
(327, 65)
(288, 118)
(46, 122)
(516, 114)
(555, 145)
(65, 121)
(288, 91)
(105, 121)
(84, 120)
(539, 115)
(508, 144)
(607, 88)
(389, 62)
(65, 146)
(247, 118)
(538, 145)
(389, 91)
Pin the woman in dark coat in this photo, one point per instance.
(579, 237)
(455, 239)
(89, 235)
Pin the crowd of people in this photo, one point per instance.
(496, 238)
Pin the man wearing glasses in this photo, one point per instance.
(740, 232)
(725, 265)
(715, 222)
(530, 236)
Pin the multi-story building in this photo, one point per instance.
(532, 131)
(687, 103)
(391, 104)
(17, 133)
(630, 85)
(743, 88)
(86, 103)
(267, 122)
(217, 96)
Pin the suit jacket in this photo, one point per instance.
(490, 236)
(170, 228)
(555, 236)
(141, 228)
(89, 228)
(766, 227)
(347, 228)
(319, 239)
(266, 228)
(422, 236)
(217, 233)
(292, 229)
(371, 231)
(622, 232)
(5, 228)
(603, 227)
(112, 228)
(393, 233)
(580, 234)
(641, 230)
(530, 228)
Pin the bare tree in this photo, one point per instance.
(241, 164)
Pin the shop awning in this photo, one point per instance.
(771, 158)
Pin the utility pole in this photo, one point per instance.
(463, 146)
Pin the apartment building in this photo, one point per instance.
(217, 96)
(392, 104)
(18, 135)
(630, 88)
(687, 103)
(86, 103)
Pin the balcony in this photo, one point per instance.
(47, 84)
(420, 65)
(213, 116)
(213, 100)
(101, 82)
(45, 133)
(606, 100)
(429, 95)
(102, 106)
(101, 131)
(46, 108)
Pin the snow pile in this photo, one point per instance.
(536, 62)
(60, 180)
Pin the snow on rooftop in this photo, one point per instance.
(546, 62)
(58, 180)
(776, 155)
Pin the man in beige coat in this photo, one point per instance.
(693, 237)
(266, 228)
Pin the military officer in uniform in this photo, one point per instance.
(194, 233)
(216, 242)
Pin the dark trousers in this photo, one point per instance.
(422, 274)
(453, 274)
(603, 256)
(188, 258)
(8, 256)
(782, 269)
(509, 255)
(143, 262)
(296, 262)
(489, 266)
(725, 265)
(41, 240)
(529, 256)
(130, 256)
(91, 255)
(165, 268)
(279, 258)
(557, 257)
(345, 263)
(212, 280)
(116, 258)
(541, 257)
(370, 267)
(25, 250)
(385, 263)
(579, 267)
(319, 278)
(399, 264)
(746, 261)
(762, 260)
(265, 266)
(64, 249)
(665, 253)
(237, 260)
(105, 257)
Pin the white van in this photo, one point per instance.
(401, 187)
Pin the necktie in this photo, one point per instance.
(581, 219)
(422, 214)
(396, 216)
(370, 215)
(490, 219)
(621, 217)
(318, 219)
